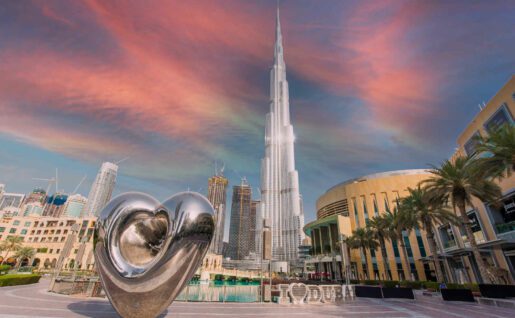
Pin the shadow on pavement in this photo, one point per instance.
(97, 309)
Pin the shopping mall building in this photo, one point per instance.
(348, 205)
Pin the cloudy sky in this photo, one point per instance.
(176, 85)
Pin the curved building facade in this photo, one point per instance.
(348, 206)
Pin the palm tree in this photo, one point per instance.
(458, 182)
(362, 239)
(401, 219)
(23, 253)
(381, 231)
(428, 212)
(11, 243)
(500, 145)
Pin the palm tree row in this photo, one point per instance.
(15, 243)
(435, 201)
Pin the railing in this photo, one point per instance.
(449, 244)
(220, 293)
(505, 227)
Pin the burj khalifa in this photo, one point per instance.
(280, 198)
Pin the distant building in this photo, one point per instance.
(32, 208)
(48, 236)
(101, 190)
(254, 207)
(37, 195)
(239, 230)
(11, 200)
(54, 206)
(217, 195)
(74, 205)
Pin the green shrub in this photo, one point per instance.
(371, 282)
(411, 284)
(4, 269)
(390, 283)
(17, 279)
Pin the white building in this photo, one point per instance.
(101, 190)
(280, 198)
(74, 205)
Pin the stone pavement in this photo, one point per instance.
(35, 301)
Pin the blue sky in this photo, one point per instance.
(175, 85)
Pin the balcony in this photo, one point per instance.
(449, 244)
(505, 227)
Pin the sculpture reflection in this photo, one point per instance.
(146, 252)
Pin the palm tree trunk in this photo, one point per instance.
(430, 235)
(473, 244)
(404, 259)
(385, 259)
(5, 257)
(363, 253)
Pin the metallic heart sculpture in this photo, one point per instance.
(146, 252)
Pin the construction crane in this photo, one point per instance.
(78, 185)
(120, 161)
(50, 181)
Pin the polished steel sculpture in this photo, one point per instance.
(147, 251)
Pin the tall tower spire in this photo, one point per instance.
(278, 48)
(280, 197)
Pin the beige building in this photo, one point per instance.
(494, 227)
(347, 207)
(48, 235)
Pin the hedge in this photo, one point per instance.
(18, 279)
(4, 269)
(416, 284)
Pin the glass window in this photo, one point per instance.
(386, 204)
(27, 224)
(499, 118)
(365, 210)
(356, 217)
(476, 228)
(12, 230)
(471, 144)
(23, 232)
(2, 229)
(376, 209)
(16, 222)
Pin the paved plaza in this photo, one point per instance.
(35, 301)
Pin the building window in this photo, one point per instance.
(501, 117)
(23, 232)
(27, 224)
(2, 229)
(476, 228)
(12, 230)
(376, 209)
(386, 204)
(471, 144)
(420, 242)
(356, 217)
(16, 222)
(365, 210)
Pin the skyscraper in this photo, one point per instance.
(101, 190)
(280, 198)
(239, 230)
(217, 195)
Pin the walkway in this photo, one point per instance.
(35, 301)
